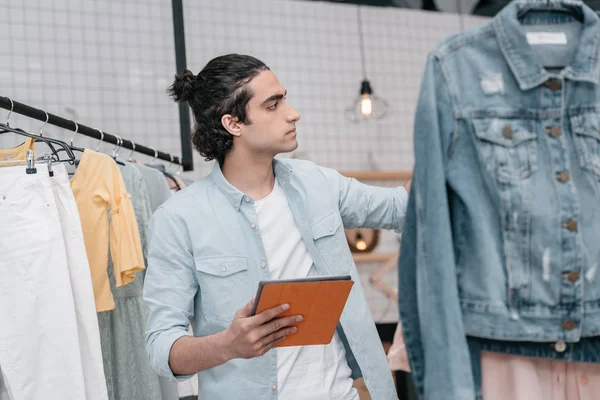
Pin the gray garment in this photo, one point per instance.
(158, 192)
(158, 188)
(126, 367)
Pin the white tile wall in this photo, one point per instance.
(108, 64)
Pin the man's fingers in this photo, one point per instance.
(245, 311)
(278, 323)
(270, 345)
(269, 314)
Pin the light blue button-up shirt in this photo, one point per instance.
(205, 261)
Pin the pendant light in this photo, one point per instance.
(367, 105)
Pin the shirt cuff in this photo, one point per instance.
(162, 352)
(402, 208)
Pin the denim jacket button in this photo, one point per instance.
(554, 131)
(570, 225)
(568, 325)
(553, 84)
(563, 177)
(507, 131)
(560, 346)
(573, 276)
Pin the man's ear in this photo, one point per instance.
(231, 124)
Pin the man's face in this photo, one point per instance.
(271, 129)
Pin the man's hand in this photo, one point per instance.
(252, 336)
(407, 185)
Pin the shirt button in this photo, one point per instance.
(223, 268)
(253, 226)
(553, 84)
(568, 325)
(563, 177)
(247, 199)
(560, 346)
(507, 131)
(236, 205)
(331, 229)
(263, 265)
(273, 386)
(570, 225)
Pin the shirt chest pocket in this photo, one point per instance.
(507, 147)
(586, 129)
(330, 240)
(224, 285)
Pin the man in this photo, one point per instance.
(256, 218)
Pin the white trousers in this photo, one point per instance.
(46, 313)
(81, 286)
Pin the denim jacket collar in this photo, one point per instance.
(521, 58)
(234, 195)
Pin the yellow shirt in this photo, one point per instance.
(16, 154)
(98, 186)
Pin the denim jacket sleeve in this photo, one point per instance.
(169, 289)
(365, 206)
(428, 293)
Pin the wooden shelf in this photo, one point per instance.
(372, 257)
(378, 175)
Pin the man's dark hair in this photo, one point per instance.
(220, 88)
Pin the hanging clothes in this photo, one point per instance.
(81, 285)
(162, 185)
(98, 185)
(122, 330)
(500, 248)
(16, 154)
(158, 192)
(158, 189)
(40, 353)
(527, 378)
(175, 182)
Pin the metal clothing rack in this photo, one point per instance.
(47, 118)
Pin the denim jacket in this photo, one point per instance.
(501, 240)
(206, 259)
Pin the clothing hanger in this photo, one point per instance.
(72, 146)
(5, 128)
(48, 141)
(375, 278)
(115, 151)
(130, 159)
(101, 139)
(557, 7)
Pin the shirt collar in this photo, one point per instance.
(282, 172)
(521, 58)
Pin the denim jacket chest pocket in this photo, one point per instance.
(586, 129)
(224, 285)
(330, 239)
(507, 147)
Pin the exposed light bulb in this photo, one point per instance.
(360, 242)
(366, 106)
(361, 245)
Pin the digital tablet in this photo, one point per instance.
(320, 301)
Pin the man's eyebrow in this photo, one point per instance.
(274, 97)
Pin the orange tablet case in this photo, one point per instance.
(319, 300)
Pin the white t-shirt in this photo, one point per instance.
(303, 372)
